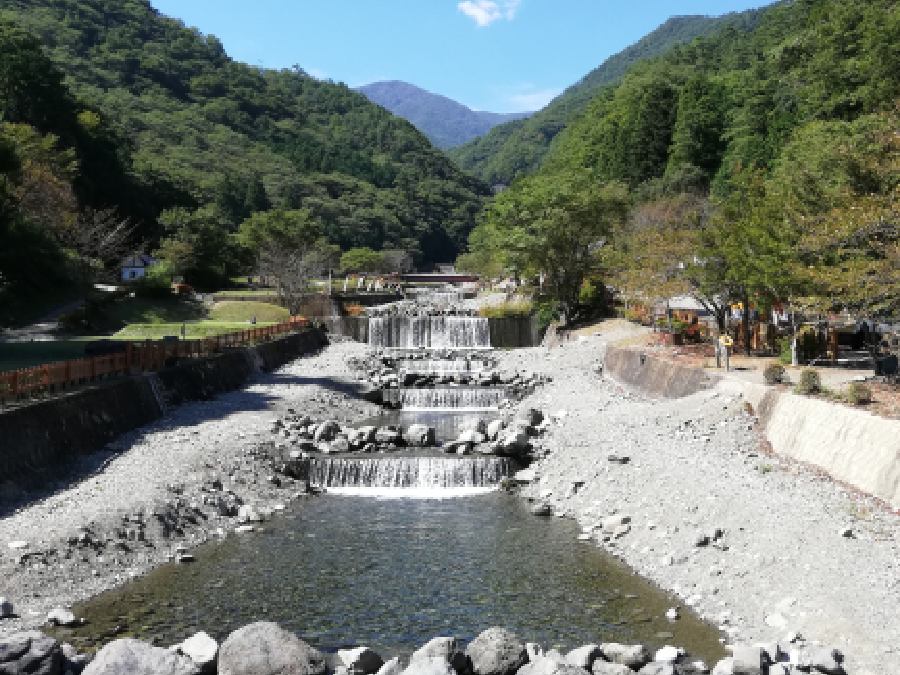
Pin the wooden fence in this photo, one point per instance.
(135, 357)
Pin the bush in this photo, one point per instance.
(774, 373)
(507, 309)
(858, 393)
(810, 382)
(784, 350)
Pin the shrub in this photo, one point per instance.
(774, 373)
(858, 393)
(507, 309)
(810, 382)
(784, 350)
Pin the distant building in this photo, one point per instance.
(135, 267)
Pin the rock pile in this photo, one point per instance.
(264, 648)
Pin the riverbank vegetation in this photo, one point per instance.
(752, 167)
(121, 130)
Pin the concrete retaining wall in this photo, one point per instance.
(38, 440)
(654, 375)
(851, 445)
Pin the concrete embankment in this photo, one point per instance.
(37, 440)
(851, 445)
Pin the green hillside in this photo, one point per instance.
(747, 166)
(517, 148)
(187, 143)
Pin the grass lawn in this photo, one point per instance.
(152, 310)
(193, 329)
(14, 355)
(245, 311)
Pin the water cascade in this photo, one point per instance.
(429, 332)
(463, 475)
(449, 399)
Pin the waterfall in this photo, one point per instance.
(445, 398)
(425, 477)
(442, 367)
(430, 332)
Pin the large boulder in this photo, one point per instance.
(584, 656)
(430, 666)
(31, 653)
(139, 658)
(360, 660)
(265, 648)
(326, 431)
(446, 648)
(497, 651)
(601, 667)
(420, 435)
(391, 667)
(633, 656)
(202, 649)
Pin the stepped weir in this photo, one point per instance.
(429, 332)
(451, 399)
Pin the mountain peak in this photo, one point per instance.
(446, 122)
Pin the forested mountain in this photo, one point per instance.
(517, 148)
(446, 122)
(753, 166)
(147, 117)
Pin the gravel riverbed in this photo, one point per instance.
(185, 474)
(760, 547)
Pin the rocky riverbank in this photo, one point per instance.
(685, 492)
(264, 648)
(207, 470)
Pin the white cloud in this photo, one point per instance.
(486, 12)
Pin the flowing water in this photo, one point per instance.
(451, 476)
(443, 398)
(429, 332)
(443, 367)
(394, 573)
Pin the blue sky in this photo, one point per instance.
(497, 55)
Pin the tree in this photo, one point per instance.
(554, 225)
(363, 260)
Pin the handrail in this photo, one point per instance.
(149, 356)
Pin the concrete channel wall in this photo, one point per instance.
(38, 440)
(851, 445)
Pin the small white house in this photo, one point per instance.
(135, 267)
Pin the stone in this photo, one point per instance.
(525, 476)
(672, 614)
(610, 523)
(74, 661)
(822, 660)
(533, 416)
(633, 656)
(513, 442)
(388, 436)
(391, 667)
(420, 435)
(747, 660)
(248, 514)
(542, 510)
(584, 656)
(360, 660)
(339, 445)
(724, 667)
(430, 666)
(447, 648)
(658, 668)
(18, 545)
(30, 652)
(139, 658)
(471, 436)
(493, 429)
(6, 609)
(326, 431)
(601, 667)
(775, 620)
(60, 616)
(265, 648)
(496, 651)
(668, 654)
(202, 649)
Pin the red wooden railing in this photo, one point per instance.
(137, 357)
